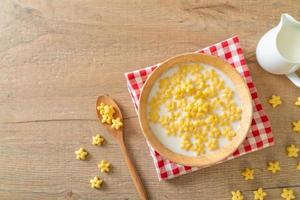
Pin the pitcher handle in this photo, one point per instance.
(294, 78)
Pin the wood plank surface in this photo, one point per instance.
(57, 56)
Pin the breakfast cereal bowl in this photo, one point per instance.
(195, 109)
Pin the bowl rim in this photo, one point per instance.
(241, 89)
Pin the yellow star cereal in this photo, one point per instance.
(275, 101)
(81, 154)
(98, 140)
(117, 123)
(106, 112)
(248, 174)
(297, 103)
(212, 144)
(199, 148)
(259, 194)
(228, 133)
(195, 104)
(96, 182)
(273, 167)
(237, 195)
(100, 108)
(186, 143)
(288, 194)
(296, 127)
(104, 166)
(292, 151)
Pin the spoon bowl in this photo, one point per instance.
(117, 134)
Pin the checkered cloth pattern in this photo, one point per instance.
(260, 134)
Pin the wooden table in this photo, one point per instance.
(57, 56)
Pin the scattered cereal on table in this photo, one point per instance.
(288, 194)
(297, 103)
(248, 174)
(81, 154)
(292, 151)
(259, 194)
(117, 123)
(273, 167)
(298, 166)
(96, 182)
(296, 127)
(237, 195)
(98, 140)
(104, 166)
(275, 101)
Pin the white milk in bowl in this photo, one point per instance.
(189, 113)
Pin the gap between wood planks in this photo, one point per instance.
(60, 120)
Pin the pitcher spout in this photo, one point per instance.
(288, 20)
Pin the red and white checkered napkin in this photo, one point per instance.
(260, 134)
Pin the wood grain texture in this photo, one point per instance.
(57, 56)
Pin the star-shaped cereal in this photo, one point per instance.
(292, 151)
(212, 144)
(297, 103)
(296, 127)
(199, 148)
(248, 174)
(106, 112)
(98, 140)
(106, 119)
(237, 195)
(104, 166)
(288, 194)
(101, 107)
(186, 144)
(259, 194)
(298, 166)
(96, 182)
(81, 154)
(275, 101)
(273, 167)
(117, 123)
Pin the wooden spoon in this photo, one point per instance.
(118, 135)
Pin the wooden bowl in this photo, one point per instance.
(240, 88)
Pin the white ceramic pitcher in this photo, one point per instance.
(278, 51)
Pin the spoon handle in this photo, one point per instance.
(134, 175)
